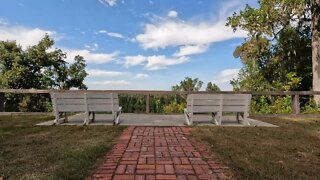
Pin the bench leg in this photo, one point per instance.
(214, 117)
(93, 116)
(117, 116)
(87, 118)
(246, 119)
(238, 114)
(219, 118)
(65, 117)
(57, 117)
(188, 118)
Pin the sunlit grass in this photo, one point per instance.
(51, 152)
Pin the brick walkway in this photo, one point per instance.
(158, 153)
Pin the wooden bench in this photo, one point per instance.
(217, 104)
(89, 103)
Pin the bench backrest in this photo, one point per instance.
(68, 102)
(236, 102)
(81, 102)
(204, 103)
(207, 103)
(102, 102)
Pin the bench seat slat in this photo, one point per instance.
(204, 109)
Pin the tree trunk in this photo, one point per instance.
(316, 48)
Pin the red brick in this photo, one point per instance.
(192, 177)
(184, 160)
(169, 169)
(176, 160)
(130, 169)
(142, 160)
(139, 177)
(145, 171)
(167, 177)
(139, 166)
(123, 177)
(160, 169)
(182, 177)
(184, 169)
(162, 153)
(121, 169)
(150, 177)
(150, 160)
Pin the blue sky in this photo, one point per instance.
(134, 44)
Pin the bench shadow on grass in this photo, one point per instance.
(291, 151)
(52, 152)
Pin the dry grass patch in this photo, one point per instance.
(51, 152)
(291, 151)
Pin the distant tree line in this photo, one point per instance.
(168, 103)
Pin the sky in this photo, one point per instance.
(134, 44)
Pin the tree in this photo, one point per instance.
(40, 68)
(188, 84)
(212, 87)
(315, 13)
(37, 67)
(278, 46)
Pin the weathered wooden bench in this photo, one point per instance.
(89, 103)
(217, 104)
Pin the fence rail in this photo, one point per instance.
(294, 94)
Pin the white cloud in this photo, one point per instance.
(104, 73)
(119, 82)
(108, 2)
(155, 62)
(190, 50)
(116, 35)
(92, 47)
(161, 62)
(142, 76)
(227, 75)
(89, 56)
(113, 34)
(172, 14)
(177, 33)
(134, 60)
(23, 35)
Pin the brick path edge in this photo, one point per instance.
(148, 153)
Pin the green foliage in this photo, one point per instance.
(277, 53)
(174, 108)
(282, 105)
(260, 105)
(37, 67)
(133, 103)
(311, 107)
(212, 87)
(271, 105)
(188, 84)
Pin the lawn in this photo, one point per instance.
(52, 152)
(291, 151)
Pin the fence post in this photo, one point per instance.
(296, 104)
(2, 100)
(147, 103)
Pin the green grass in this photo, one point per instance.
(51, 152)
(291, 151)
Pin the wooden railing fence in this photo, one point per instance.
(294, 94)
